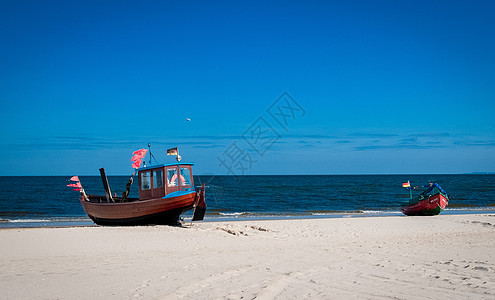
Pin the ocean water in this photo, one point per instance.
(47, 201)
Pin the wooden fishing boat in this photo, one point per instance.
(165, 192)
(431, 202)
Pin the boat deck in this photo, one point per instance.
(103, 199)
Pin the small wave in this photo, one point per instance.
(355, 212)
(373, 212)
(235, 214)
(469, 208)
(324, 214)
(44, 220)
(461, 205)
(332, 212)
(28, 221)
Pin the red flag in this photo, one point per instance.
(140, 152)
(138, 157)
(77, 185)
(136, 164)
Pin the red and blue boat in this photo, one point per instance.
(165, 192)
(430, 202)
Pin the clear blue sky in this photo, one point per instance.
(382, 86)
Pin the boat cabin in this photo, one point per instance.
(161, 180)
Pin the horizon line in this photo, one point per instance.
(247, 175)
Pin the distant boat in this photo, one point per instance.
(430, 202)
(165, 192)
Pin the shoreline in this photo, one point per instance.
(375, 257)
(234, 217)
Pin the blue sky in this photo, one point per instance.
(375, 87)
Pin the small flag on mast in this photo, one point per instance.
(406, 184)
(77, 185)
(172, 151)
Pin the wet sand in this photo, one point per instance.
(368, 257)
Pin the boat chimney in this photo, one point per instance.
(106, 187)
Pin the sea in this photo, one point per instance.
(43, 201)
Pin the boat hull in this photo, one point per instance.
(433, 205)
(159, 211)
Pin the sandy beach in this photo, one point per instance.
(374, 257)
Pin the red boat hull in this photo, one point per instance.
(164, 211)
(433, 205)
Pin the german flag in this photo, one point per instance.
(172, 151)
(406, 184)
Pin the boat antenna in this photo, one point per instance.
(149, 151)
(151, 154)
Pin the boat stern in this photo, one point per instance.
(199, 204)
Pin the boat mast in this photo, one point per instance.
(149, 150)
(151, 154)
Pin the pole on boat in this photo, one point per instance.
(407, 185)
(200, 204)
(125, 194)
(106, 187)
(149, 150)
(178, 157)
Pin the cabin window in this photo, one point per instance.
(186, 177)
(172, 177)
(145, 180)
(157, 179)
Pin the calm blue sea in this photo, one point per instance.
(47, 201)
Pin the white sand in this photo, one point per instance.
(447, 256)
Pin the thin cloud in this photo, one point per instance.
(430, 135)
(397, 146)
(360, 141)
(310, 136)
(207, 137)
(208, 146)
(409, 140)
(475, 143)
(373, 135)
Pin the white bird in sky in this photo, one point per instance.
(187, 119)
